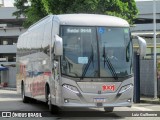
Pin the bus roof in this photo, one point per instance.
(84, 20)
(91, 20)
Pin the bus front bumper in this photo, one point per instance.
(71, 99)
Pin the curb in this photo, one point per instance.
(6, 88)
(150, 101)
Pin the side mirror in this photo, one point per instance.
(58, 46)
(142, 45)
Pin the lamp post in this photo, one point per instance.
(155, 58)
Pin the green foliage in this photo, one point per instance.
(35, 12)
(130, 11)
(125, 9)
(72, 6)
(32, 13)
(21, 8)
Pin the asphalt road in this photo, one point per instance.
(11, 101)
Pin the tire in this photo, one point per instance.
(24, 98)
(108, 109)
(52, 108)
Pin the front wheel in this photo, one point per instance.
(24, 98)
(52, 108)
(108, 109)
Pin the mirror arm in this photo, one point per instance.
(58, 46)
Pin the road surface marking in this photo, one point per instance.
(10, 99)
(142, 109)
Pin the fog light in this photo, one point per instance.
(66, 101)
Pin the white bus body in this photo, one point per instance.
(77, 60)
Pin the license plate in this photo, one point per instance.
(99, 100)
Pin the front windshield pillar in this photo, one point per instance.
(98, 54)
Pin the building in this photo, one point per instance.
(1, 2)
(10, 29)
(144, 27)
(144, 24)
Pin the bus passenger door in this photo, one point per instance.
(52, 84)
(57, 82)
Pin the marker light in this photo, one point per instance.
(129, 100)
(71, 88)
(125, 88)
(66, 100)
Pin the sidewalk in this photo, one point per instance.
(149, 100)
(8, 88)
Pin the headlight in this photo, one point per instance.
(71, 88)
(125, 88)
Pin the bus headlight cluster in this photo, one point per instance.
(71, 88)
(125, 88)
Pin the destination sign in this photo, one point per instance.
(81, 30)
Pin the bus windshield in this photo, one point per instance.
(96, 52)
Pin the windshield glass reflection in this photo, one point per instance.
(80, 52)
(96, 52)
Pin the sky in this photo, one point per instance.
(9, 3)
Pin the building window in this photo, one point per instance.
(8, 57)
(5, 42)
(8, 41)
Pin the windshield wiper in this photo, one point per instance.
(109, 64)
(128, 52)
(88, 64)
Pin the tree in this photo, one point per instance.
(20, 4)
(125, 9)
(131, 11)
(39, 8)
(34, 12)
(73, 6)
